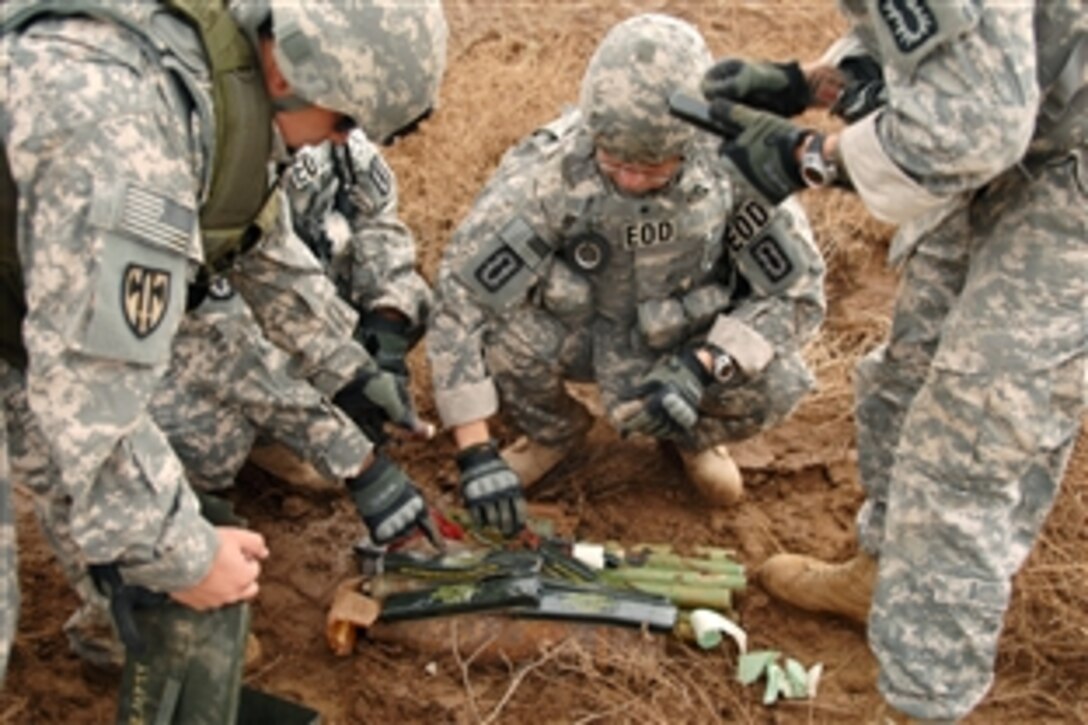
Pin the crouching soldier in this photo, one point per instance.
(611, 247)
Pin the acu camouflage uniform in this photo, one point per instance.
(555, 275)
(968, 413)
(111, 164)
(227, 386)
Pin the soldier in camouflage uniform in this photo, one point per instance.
(227, 386)
(610, 248)
(113, 146)
(968, 128)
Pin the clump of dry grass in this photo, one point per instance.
(1043, 660)
(644, 685)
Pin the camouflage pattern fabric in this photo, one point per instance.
(227, 384)
(379, 63)
(9, 568)
(299, 310)
(959, 496)
(368, 252)
(661, 252)
(90, 129)
(621, 108)
(109, 165)
(89, 629)
(968, 413)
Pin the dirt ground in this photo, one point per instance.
(512, 66)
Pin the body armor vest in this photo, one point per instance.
(237, 204)
(649, 248)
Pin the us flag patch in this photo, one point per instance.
(148, 215)
(145, 297)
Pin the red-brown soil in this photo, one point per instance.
(512, 66)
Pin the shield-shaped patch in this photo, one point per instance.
(145, 297)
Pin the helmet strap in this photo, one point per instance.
(290, 102)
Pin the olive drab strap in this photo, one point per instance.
(12, 304)
(239, 190)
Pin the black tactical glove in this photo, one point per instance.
(669, 397)
(780, 88)
(387, 501)
(863, 88)
(492, 491)
(764, 149)
(375, 397)
(388, 340)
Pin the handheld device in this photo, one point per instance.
(697, 113)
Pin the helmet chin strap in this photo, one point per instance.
(290, 102)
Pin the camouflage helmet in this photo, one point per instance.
(377, 61)
(625, 90)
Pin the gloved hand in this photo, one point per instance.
(375, 397)
(388, 340)
(667, 401)
(492, 491)
(863, 90)
(387, 501)
(764, 151)
(780, 88)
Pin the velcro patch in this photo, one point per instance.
(771, 258)
(148, 215)
(506, 267)
(498, 268)
(145, 298)
(380, 176)
(910, 22)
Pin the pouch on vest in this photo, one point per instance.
(662, 322)
(566, 293)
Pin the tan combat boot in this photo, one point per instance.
(282, 463)
(531, 460)
(845, 589)
(715, 475)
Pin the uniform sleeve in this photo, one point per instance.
(956, 117)
(463, 388)
(343, 203)
(299, 309)
(381, 264)
(764, 325)
(106, 228)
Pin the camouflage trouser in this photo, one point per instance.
(9, 573)
(227, 384)
(967, 417)
(532, 354)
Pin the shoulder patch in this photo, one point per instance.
(145, 298)
(504, 269)
(768, 254)
(148, 215)
(909, 22)
(909, 30)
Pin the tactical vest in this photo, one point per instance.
(237, 205)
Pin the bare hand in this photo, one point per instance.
(234, 572)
